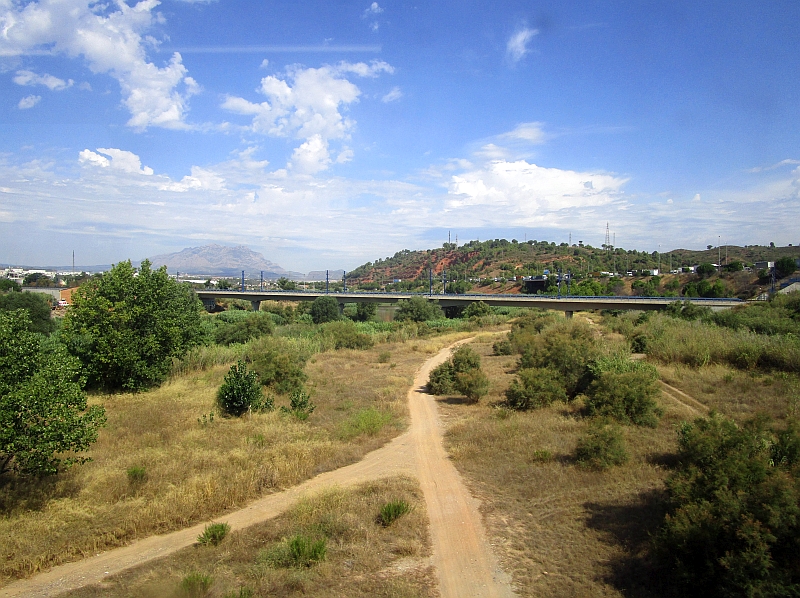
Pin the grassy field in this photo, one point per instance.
(162, 462)
(362, 556)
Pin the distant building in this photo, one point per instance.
(763, 265)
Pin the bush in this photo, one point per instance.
(628, 397)
(417, 309)
(465, 359)
(502, 347)
(137, 474)
(298, 551)
(440, 381)
(324, 309)
(44, 419)
(473, 384)
(253, 326)
(300, 405)
(196, 585)
(240, 389)
(213, 534)
(277, 363)
(535, 387)
(705, 269)
(476, 310)
(733, 521)
(602, 446)
(366, 311)
(127, 325)
(392, 511)
(785, 266)
(346, 336)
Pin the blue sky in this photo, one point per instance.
(326, 134)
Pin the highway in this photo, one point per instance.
(566, 304)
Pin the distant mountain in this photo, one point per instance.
(221, 260)
(333, 275)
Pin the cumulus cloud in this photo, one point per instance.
(117, 159)
(201, 179)
(52, 83)
(311, 157)
(394, 95)
(531, 193)
(112, 41)
(371, 13)
(517, 45)
(28, 102)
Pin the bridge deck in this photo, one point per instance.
(567, 304)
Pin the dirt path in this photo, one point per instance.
(464, 562)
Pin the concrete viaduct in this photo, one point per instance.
(566, 304)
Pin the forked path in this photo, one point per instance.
(462, 556)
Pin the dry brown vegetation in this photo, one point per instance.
(161, 464)
(363, 558)
(560, 529)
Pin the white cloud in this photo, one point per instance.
(362, 69)
(28, 102)
(787, 162)
(311, 157)
(112, 41)
(531, 132)
(264, 63)
(696, 197)
(201, 179)
(119, 160)
(517, 45)
(394, 95)
(373, 9)
(49, 81)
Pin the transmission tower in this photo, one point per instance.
(608, 238)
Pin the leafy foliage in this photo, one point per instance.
(43, 409)
(324, 309)
(366, 311)
(473, 384)
(602, 446)
(127, 325)
(535, 387)
(213, 534)
(393, 510)
(298, 551)
(462, 374)
(254, 325)
(277, 363)
(300, 404)
(346, 335)
(624, 390)
(417, 309)
(36, 304)
(9, 285)
(240, 389)
(733, 525)
(785, 266)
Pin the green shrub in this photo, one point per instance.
(393, 510)
(213, 534)
(36, 304)
(263, 404)
(300, 405)
(440, 381)
(464, 359)
(473, 384)
(298, 551)
(477, 309)
(253, 326)
(239, 390)
(137, 474)
(533, 388)
(384, 357)
(196, 585)
(502, 347)
(324, 309)
(417, 309)
(602, 446)
(345, 335)
(733, 519)
(366, 311)
(278, 364)
(628, 397)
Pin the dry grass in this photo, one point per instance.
(363, 558)
(194, 471)
(737, 394)
(559, 528)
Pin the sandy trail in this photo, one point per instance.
(462, 556)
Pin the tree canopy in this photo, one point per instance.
(36, 304)
(43, 410)
(417, 309)
(324, 309)
(127, 325)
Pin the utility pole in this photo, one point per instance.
(261, 285)
(719, 253)
(430, 281)
(326, 282)
(242, 281)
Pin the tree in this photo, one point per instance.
(127, 325)
(417, 309)
(285, 284)
(43, 411)
(324, 309)
(366, 311)
(785, 266)
(36, 304)
(223, 284)
(706, 269)
(477, 309)
(8, 285)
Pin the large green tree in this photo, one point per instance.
(36, 304)
(43, 411)
(128, 325)
(324, 309)
(417, 309)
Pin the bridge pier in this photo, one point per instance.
(256, 305)
(568, 314)
(210, 304)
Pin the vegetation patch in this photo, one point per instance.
(213, 534)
